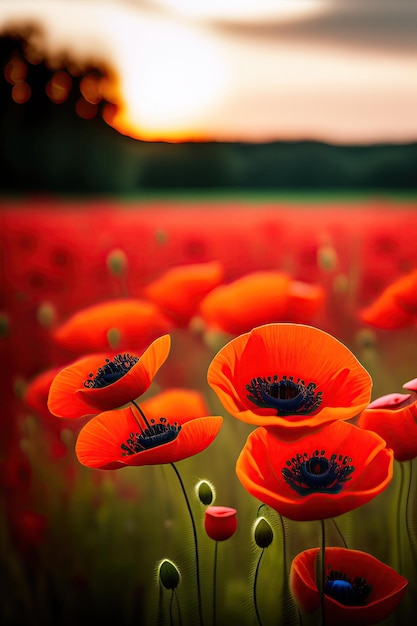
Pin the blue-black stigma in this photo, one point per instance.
(316, 473)
(111, 371)
(155, 434)
(348, 592)
(284, 395)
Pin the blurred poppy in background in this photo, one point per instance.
(179, 291)
(259, 298)
(122, 324)
(395, 307)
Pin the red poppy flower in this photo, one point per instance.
(131, 322)
(289, 376)
(179, 291)
(321, 475)
(396, 307)
(36, 398)
(175, 401)
(394, 418)
(359, 589)
(93, 384)
(220, 522)
(115, 439)
(259, 298)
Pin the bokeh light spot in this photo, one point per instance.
(59, 87)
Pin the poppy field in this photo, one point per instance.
(209, 411)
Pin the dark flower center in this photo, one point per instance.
(155, 434)
(111, 371)
(284, 395)
(348, 592)
(316, 473)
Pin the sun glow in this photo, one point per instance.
(171, 76)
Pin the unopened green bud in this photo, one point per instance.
(263, 533)
(46, 314)
(206, 492)
(113, 337)
(117, 262)
(168, 574)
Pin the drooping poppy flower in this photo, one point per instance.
(220, 522)
(394, 418)
(92, 384)
(290, 376)
(118, 324)
(259, 298)
(179, 291)
(321, 475)
(116, 439)
(395, 307)
(358, 588)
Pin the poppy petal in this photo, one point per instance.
(269, 468)
(290, 351)
(396, 424)
(137, 323)
(388, 587)
(99, 442)
(63, 399)
(179, 291)
(132, 384)
(396, 307)
(256, 298)
(69, 397)
(176, 401)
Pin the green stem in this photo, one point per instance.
(178, 610)
(197, 565)
(170, 607)
(142, 415)
(400, 516)
(339, 532)
(322, 571)
(159, 619)
(214, 581)
(255, 580)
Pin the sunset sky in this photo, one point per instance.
(329, 70)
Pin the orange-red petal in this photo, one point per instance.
(388, 587)
(135, 322)
(265, 455)
(396, 307)
(394, 418)
(68, 397)
(176, 401)
(256, 298)
(179, 291)
(296, 350)
(99, 442)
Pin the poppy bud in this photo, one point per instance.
(168, 574)
(262, 532)
(117, 262)
(46, 314)
(220, 522)
(206, 492)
